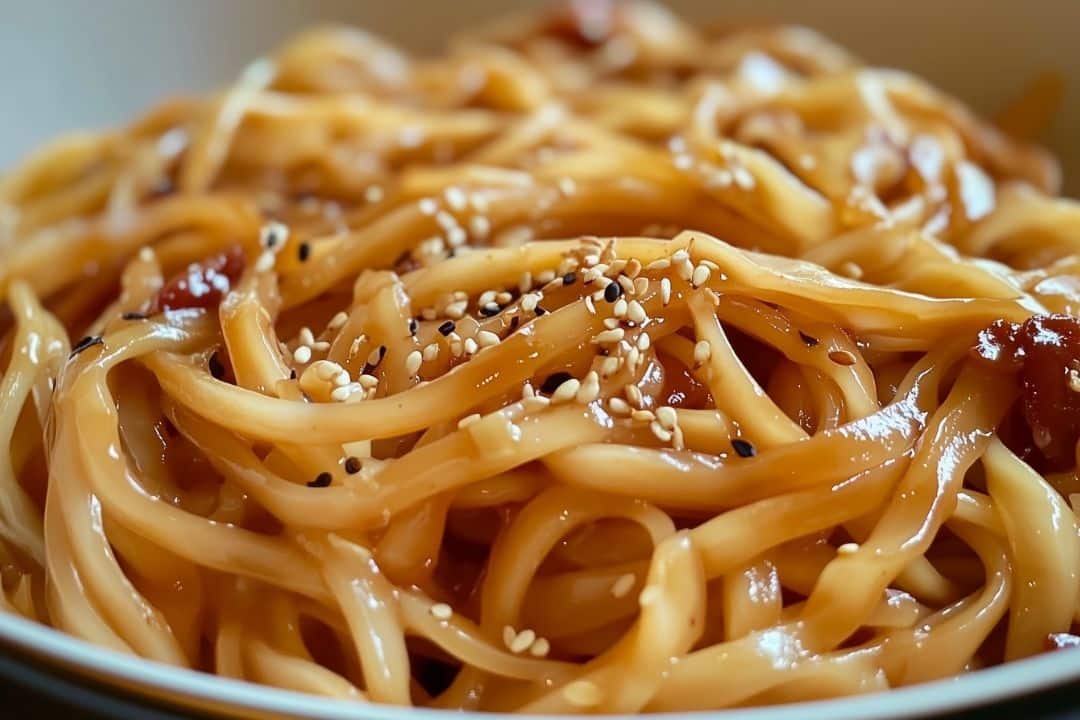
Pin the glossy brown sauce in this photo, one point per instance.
(1044, 353)
(202, 284)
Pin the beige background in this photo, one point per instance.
(69, 64)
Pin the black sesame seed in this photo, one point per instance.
(569, 278)
(554, 381)
(612, 292)
(323, 479)
(540, 311)
(744, 448)
(217, 370)
(490, 310)
(413, 326)
(292, 374)
(810, 340)
(446, 328)
(352, 465)
(303, 251)
(134, 316)
(87, 342)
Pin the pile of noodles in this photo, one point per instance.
(601, 364)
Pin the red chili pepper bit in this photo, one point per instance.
(202, 284)
(1044, 351)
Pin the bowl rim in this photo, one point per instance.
(183, 687)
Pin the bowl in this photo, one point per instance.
(85, 65)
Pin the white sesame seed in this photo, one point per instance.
(658, 430)
(633, 357)
(567, 186)
(343, 393)
(479, 226)
(428, 206)
(455, 198)
(428, 314)
(680, 255)
(487, 297)
(375, 357)
(471, 346)
(509, 634)
(413, 361)
(661, 264)
(590, 388)
(305, 336)
(373, 193)
(702, 352)
(442, 611)
(616, 267)
(456, 310)
(667, 416)
(633, 394)
(486, 338)
(540, 648)
(643, 341)
(266, 261)
(589, 305)
(529, 301)
(302, 354)
(851, 270)
(525, 282)
(611, 323)
(642, 416)
(636, 312)
(641, 285)
(468, 420)
(582, 693)
(677, 440)
(338, 321)
(649, 595)
(536, 402)
(320, 346)
(503, 297)
(545, 277)
(341, 379)
(446, 220)
(623, 585)
(665, 291)
(848, 548)
(430, 352)
(368, 381)
(618, 406)
(743, 178)
(479, 202)
(685, 269)
(566, 391)
(456, 237)
(628, 285)
(609, 366)
(700, 276)
(609, 336)
(619, 308)
(523, 641)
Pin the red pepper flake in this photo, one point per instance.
(1044, 351)
(202, 284)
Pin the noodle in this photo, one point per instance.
(603, 364)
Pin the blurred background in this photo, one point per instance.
(73, 64)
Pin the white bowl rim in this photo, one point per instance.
(139, 676)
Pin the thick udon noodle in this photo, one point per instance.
(601, 364)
